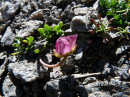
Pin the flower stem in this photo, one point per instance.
(55, 65)
(121, 11)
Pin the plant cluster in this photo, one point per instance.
(116, 18)
(23, 46)
(101, 25)
(118, 9)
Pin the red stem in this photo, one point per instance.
(55, 65)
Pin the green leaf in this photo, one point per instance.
(120, 22)
(55, 28)
(60, 32)
(41, 31)
(30, 40)
(50, 36)
(15, 53)
(37, 51)
(116, 16)
(44, 46)
(25, 41)
(60, 24)
(58, 27)
(48, 28)
(15, 44)
(110, 13)
(27, 48)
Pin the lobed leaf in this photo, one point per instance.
(41, 31)
(48, 28)
(36, 51)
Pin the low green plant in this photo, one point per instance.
(49, 33)
(118, 9)
(122, 31)
(22, 46)
(102, 25)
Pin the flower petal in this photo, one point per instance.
(56, 54)
(63, 47)
(72, 41)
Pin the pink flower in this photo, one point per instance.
(65, 46)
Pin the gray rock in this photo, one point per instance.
(81, 11)
(108, 69)
(42, 70)
(4, 61)
(100, 94)
(97, 88)
(8, 37)
(101, 63)
(113, 35)
(92, 87)
(63, 87)
(37, 90)
(67, 13)
(23, 70)
(81, 91)
(40, 44)
(89, 80)
(37, 15)
(68, 65)
(52, 88)
(54, 8)
(48, 3)
(78, 55)
(8, 10)
(89, 11)
(80, 24)
(58, 12)
(96, 5)
(121, 49)
(122, 72)
(91, 95)
(74, 5)
(68, 31)
(27, 7)
(92, 13)
(66, 26)
(119, 94)
(122, 60)
(27, 28)
(56, 73)
(34, 5)
(1, 19)
(47, 58)
(86, 2)
(52, 19)
(63, 2)
(9, 89)
(3, 27)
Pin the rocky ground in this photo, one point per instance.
(96, 69)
